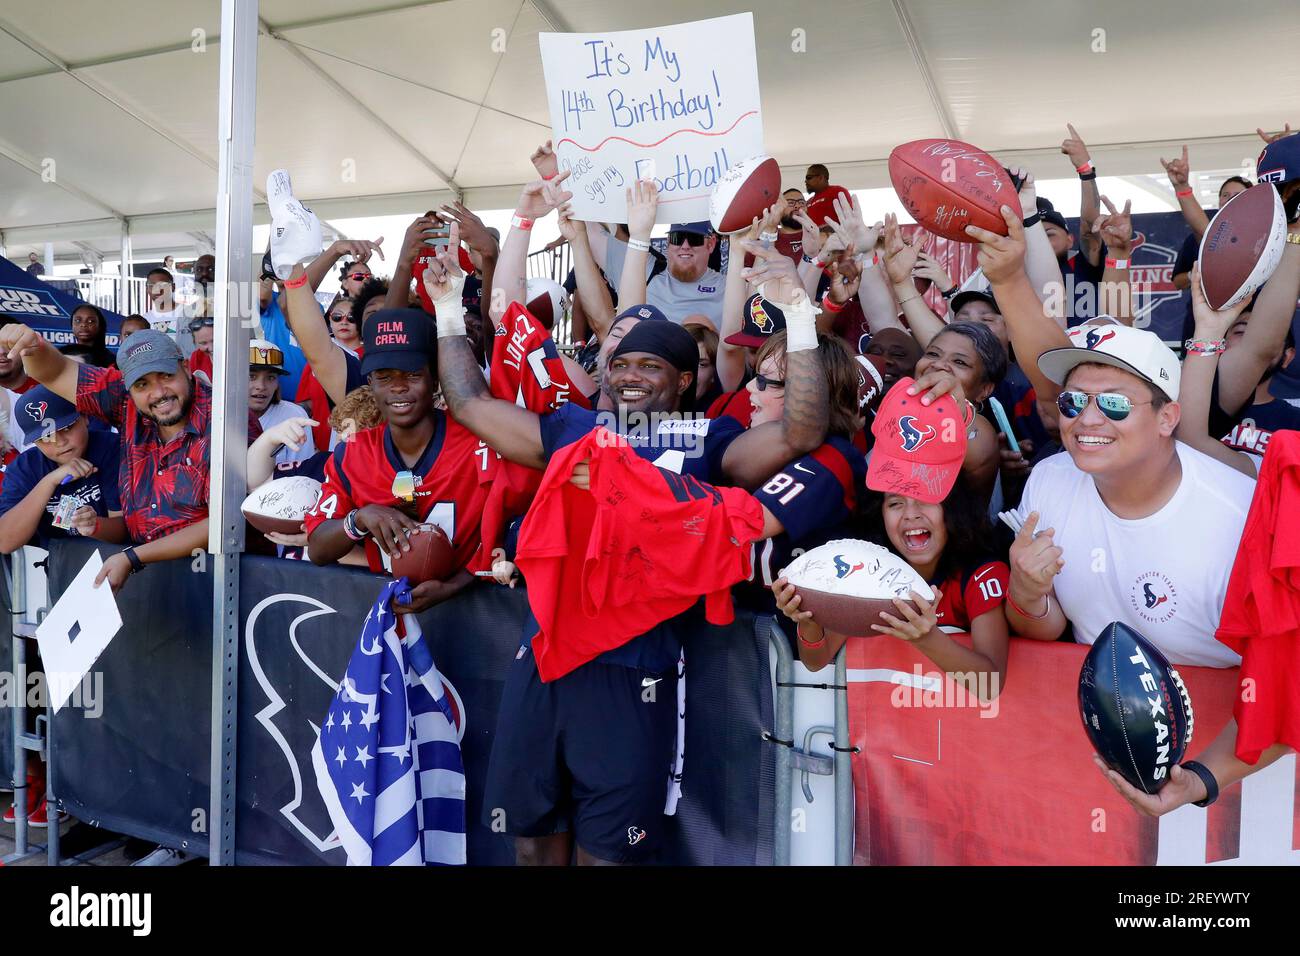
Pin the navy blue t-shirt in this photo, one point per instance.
(1084, 305)
(99, 490)
(692, 447)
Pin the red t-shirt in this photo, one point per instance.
(606, 565)
(732, 405)
(447, 492)
(822, 205)
(201, 361)
(967, 595)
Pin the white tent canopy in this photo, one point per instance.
(108, 111)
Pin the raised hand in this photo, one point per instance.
(1074, 147)
(1001, 257)
(900, 255)
(1209, 323)
(1035, 562)
(774, 273)
(928, 267)
(846, 281)
(1273, 137)
(358, 250)
(472, 230)
(541, 196)
(812, 234)
(443, 277)
(545, 161)
(19, 340)
(1028, 192)
(1116, 228)
(1178, 169)
(852, 229)
(569, 227)
(642, 205)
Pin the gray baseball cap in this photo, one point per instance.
(147, 351)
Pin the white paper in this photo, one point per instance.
(76, 631)
(678, 104)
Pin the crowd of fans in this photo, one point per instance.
(402, 398)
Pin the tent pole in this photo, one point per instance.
(124, 272)
(234, 302)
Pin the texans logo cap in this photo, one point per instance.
(41, 413)
(1134, 350)
(919, 448)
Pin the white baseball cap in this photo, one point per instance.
(1133, 350)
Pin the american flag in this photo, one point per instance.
(388, 760)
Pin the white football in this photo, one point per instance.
(743, 192)
(1242, 246)
(847, 583)
(281, 504)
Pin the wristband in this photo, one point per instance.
(798, 629)
(1205, 346)
(1085, 168)
(800, 325)
(1034, 220)
(1293, 237)
(520, 223)
(903, 302)
(640, 245)
(95, 530)
(767, 236)
(1025, 614)
(866, 263)
(136, 563)
(809, 259)
(1207, 778)
(1086, 177)
(296, 283)
(550, 177)
(951, 292)
(1116, 263)
(1182, 193)
(829, 305)
(350, 527)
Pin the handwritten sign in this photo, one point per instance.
(677, 104)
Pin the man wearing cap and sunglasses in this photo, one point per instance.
(687, 287)
(164, 419)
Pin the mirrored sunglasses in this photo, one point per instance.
(404, 486)
(1114, 406)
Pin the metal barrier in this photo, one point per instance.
(790, 758)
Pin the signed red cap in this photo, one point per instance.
(919, 448)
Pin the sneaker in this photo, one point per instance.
(39, 817)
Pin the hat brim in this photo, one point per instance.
(745, 340)
(168, 365)
(893, 474)
(60, 423)
(1057, 364)
(402, 360)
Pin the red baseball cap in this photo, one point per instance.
(919, 448)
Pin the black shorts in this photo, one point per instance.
(589, 753)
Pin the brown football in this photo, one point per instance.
(947, 185)
(430, 558)
(847, 583)
(1242, 246)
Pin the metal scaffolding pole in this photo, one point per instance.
(232, 303)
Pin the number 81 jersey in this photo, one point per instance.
(444, 484)
(814, 498)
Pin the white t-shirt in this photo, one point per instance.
(1165, 575)
(282, 411)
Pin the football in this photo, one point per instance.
(430, 557)
(280, 505)
(546, 300)
(947, 185)
(1135, 709)
(847, 583)
(871, 382)
(1242, 246)
(743, 192)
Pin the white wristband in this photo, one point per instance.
(640, 245)
(451, 316)
(800, 325)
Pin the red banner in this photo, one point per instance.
(942, 779)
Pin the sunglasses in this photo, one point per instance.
(1114, 406)
(764, 383)
(404, 486)
(358, 276)
(680, 238)
(341, 317)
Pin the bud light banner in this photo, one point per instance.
(25, 298)
(944, 777)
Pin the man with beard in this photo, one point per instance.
(163, 416)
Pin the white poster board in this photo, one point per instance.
(678, 104)
(76, 631)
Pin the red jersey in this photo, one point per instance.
(447, 491)
(822, 205)
(732, 405)
(968, 594)
(201, 361)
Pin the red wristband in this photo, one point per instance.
(807, 643)
(296, 283)
(1116, 263)
(519, 222)
(550, 177)
(1085, 168)
(1025, 614)
(830, 306)
(1181, 193)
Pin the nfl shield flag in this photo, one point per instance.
(388, 760)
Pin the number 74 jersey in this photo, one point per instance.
(442, 487)
(814, 498)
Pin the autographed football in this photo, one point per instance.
(280, 505)
(871, 382)
(947, 185)
(1135, 709)
(1242, 246)
(847, 583)
(743, 192)
(546, 300)
(430, 557)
